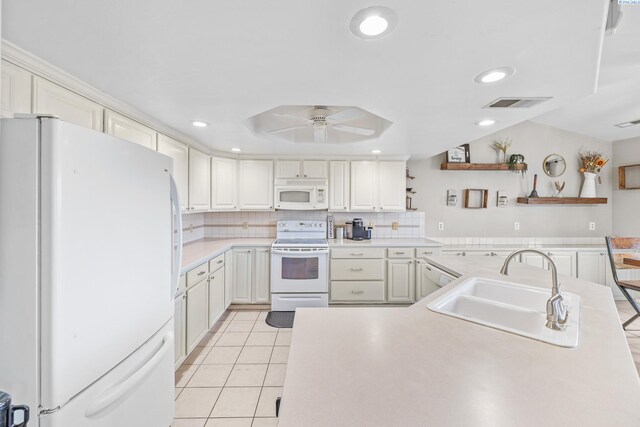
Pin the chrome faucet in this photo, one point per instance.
(556, 310)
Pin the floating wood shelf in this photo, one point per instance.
(481, 167)
(562, 200)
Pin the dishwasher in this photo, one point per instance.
(430, 278)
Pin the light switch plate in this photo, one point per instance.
(394, 226)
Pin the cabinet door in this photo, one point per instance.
(228, 278)
(534, 260)
(199, 181)
(400, 284)
(288, 169)
(565, 262)
(180, 155)
(179, 328)
(49, 98)
(255, 184)
(216, 296)
(242, 276)
(424, 284)
(364, 184)
(314, 169)
(262, 275)
(15, 90)
(197, 319)
(392, 184)
(123, 127)
(339, 185)
(592, 266)
(224, 184)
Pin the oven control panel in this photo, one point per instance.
(296, 225)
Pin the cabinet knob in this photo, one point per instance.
(297, 176)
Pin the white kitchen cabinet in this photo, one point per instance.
(262, 275)
(216, 296)
(199, 181)
(534, 260)
(228, 278)
(180, 155)
(592, 266)
(124, 128)
(400, 280)
(565, 261)
(179, 329)
(339, 185)
(364, 185)
(49, 98)
(496, 254)
(242, 273)
(314, 169)
(224, 184)
(15, 90)
(424, 284)
(292, 169)
(288, 169)
(255, 184)
(197, 314)
(392, 185)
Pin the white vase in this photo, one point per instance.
(589, 185)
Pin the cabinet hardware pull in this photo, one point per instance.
(357, 292)
(201, 273)
(220, 261)
(487, 254)
(357, 269)
(427, 253)
(357, 254)
(427, 268)
(399, 253)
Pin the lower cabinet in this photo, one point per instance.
(251, 275)
(216, 296)
(262, 275)
(424, 284)
(228, 278)
(565, 261)
(241, 276)
(400, 280)
(179, 328)
(197, 314)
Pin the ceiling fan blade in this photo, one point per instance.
(290, 116)
(353, 129)
(286, 129)
(345, 115)
(320, 133)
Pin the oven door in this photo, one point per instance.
(299, 270)
(297, 198)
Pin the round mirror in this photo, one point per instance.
(554, 165)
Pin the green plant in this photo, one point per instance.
(514, 160)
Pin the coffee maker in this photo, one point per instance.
(359, 231)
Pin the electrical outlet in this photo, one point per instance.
(394, 226)
(372, 225)
(245, 225)
(516, 226)
(592, 226)
(440, 226)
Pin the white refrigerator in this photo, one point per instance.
(88, 271)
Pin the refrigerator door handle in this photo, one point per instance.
(115, 394)
(177, 253)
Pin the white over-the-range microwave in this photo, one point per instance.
(301, 194)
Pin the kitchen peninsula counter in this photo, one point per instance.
(414, 367)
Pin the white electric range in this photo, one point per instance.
(299, 265)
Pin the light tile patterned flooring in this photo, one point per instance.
(233, 377)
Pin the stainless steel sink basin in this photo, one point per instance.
(511, 307)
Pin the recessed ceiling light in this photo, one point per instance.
(494, 75)
(199, 124)
(486, 122)
(376, 151)
(373, 22)
(236, 150)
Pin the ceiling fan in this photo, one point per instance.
(320, 118)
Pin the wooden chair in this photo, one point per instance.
(616, 246)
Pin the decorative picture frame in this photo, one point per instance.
(476, 198)
(460, 154)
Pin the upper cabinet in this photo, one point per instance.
(199, 181)
(291, 169)
(16, 90)
(392, 185)
(224, 184)
(364, 185)
(339, 185)
(255, 184)
(129, 130)
(180, 155)
(49, 98)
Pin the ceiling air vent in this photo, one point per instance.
(628, 124)
(516, 102)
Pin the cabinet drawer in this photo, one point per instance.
(357, 291)
(357, 269)
(400, 253)
(357, 253)
(197, 275)
(216, 263)
(425, 252)
(182, 284)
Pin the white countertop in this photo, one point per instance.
(392, 243)
(559, 247)
(195, 253)
(414, 367)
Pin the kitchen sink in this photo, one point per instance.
(510, 307)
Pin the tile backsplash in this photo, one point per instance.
(263, 224)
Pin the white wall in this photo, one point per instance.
(626, 203)
(535, 142)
